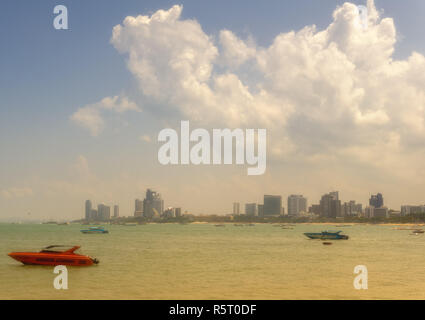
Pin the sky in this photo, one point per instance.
(81, 109)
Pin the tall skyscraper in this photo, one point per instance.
(272, 205)
(296, 204)
(251, 209)
(236, 208)
(178, 212)
(138, 208)
(88, 210)
(100, 211)
(116, 211)
(261, 210)
(93, 214)
(376, 201)
(153, 205)
(351, 209)
(103, 212)
(330, 205)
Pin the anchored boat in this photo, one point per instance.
(93, 230)
(54, 256)
(327, 235)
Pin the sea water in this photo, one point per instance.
(201, 261)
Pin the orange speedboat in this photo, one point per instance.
(54, 256)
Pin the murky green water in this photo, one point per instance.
(201, 261)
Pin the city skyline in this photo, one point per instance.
(82, 108)
(329, 206)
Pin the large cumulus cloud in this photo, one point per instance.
(335, 93)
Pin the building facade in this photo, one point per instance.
(116, 211)
(376, 200)
(236, 208)
(153, 205)
(296, 204)
(251, 209)
(138, 208)
(272, 205)
(88, 210)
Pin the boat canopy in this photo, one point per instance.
(60, 248)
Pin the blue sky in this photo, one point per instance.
(47, 74)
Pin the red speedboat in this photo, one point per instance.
(54, 256)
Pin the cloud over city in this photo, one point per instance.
(335, 92)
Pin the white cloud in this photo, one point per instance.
(90, 116)
(336, 91)
(235, 51)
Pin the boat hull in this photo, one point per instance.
(326, 236)
(32, 258)
(94, 231)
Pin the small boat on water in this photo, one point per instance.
(327, 235)
(54, 256)
(327, 243)
(418, 231)
(94, 230)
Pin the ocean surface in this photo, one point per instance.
(202, 261)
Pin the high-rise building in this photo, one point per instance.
(93, 214)
(251, 209)
(178, 212)
(88, 210)
(103, 212)
(334, 194)
(236, 208)
(406, 210)
(100, 211)
(138, 208)
(376, 201)
(153, 205)
(272, 205)
(116, 211)
(261, 210)
(351, 209)
(330, 205)
(381, 212)
(368, 212)
(296, 204)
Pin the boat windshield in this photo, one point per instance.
(57, 248)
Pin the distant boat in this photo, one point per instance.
(418, 231)
(327, 243)
(94, 230)
(327, 235)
